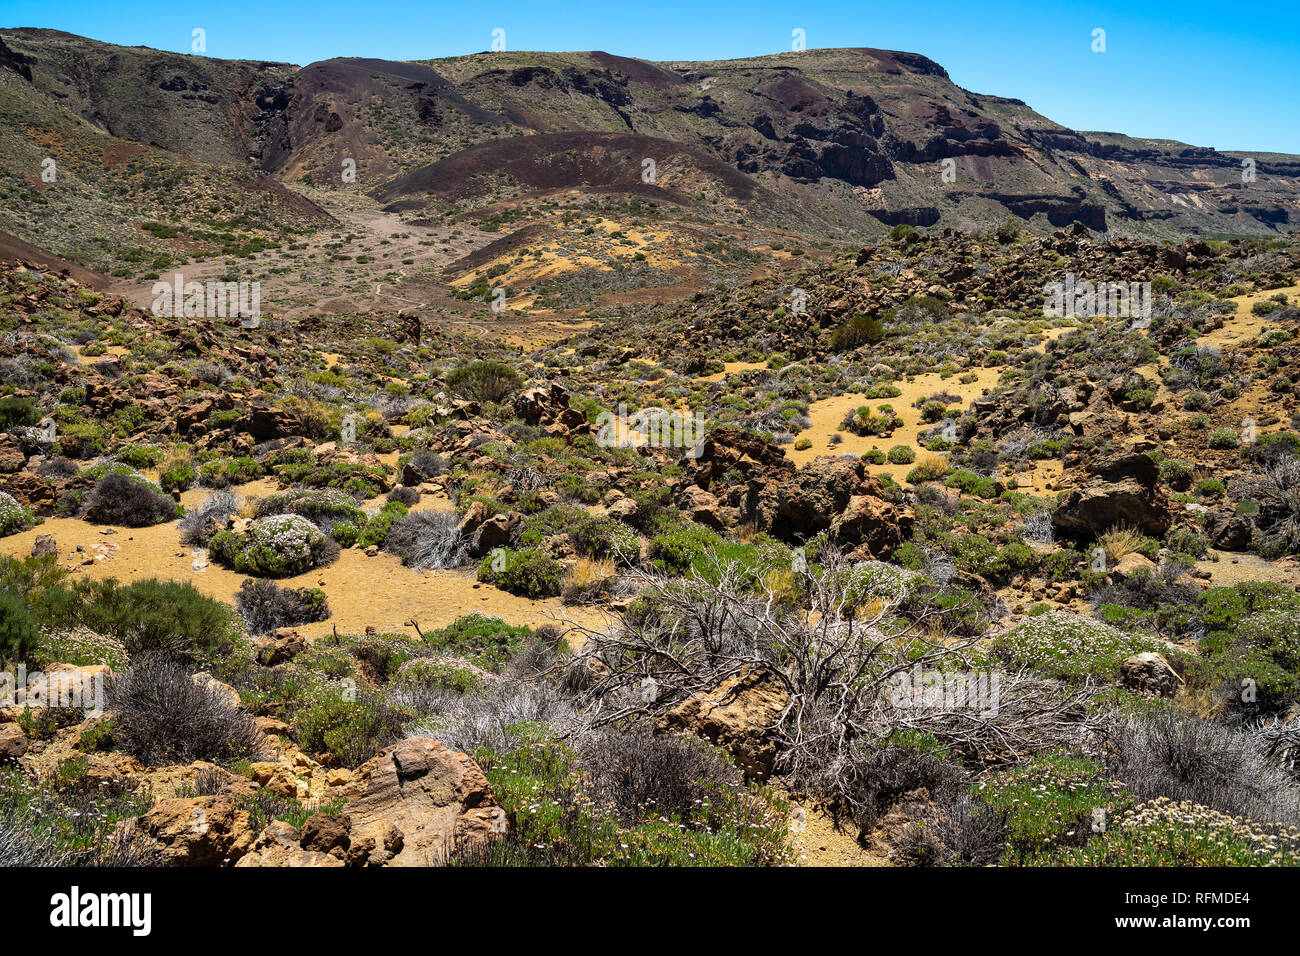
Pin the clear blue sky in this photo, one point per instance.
(1218, 74)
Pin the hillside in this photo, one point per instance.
(635, 464)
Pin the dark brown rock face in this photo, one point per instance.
(1116, 489)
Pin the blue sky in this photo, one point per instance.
(1214, 74)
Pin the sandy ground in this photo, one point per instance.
(827, 414)
(817, 843)
(1244, 327)
(731, 368)
(363, 591)
(1231, 568)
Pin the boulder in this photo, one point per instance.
(1133, 563)
(278, 845)
(1227, 530)
(198, 831)
(228, 693)
(870, 527)
(284, 645)
(327, 833)
(1149, 672)
(43, 545)
(738, 715)
(12, 457)
(482, 533)
(278, 778)
(701, 507)
(32, 490)
(1118, 489)
(265, 423)
(416, 804)
(729, 450)
(835, 495)
(548, 406)
(13, 742)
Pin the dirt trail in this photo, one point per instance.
(298, 282)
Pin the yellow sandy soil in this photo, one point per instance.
(826, 416)
(363, 591)
(817, 843)
(1231, 568)
(1244, 327)
(731, 368)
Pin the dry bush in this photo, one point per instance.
(497, 718)
(265, 606)
(1277, 488)
(128, 500)
(427, 539)
(834, 658)
(1202, 761)
(1120, 541)
(165, 717)
(194, 524)
(837, 656)
(588, 580)
(634, 772)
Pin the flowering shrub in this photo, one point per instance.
(322, 507)
(280, 546)
(13, 516)
(1068, 647)
(877, 580)
(1165, 833)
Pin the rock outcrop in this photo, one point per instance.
(1117, 489)
(739, 716)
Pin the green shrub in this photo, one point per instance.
(13, 516)
(857, 331)
(595, 536)
(976, 554)
(901, 455)
(139, 456)
(345, 725)
(488, 642)
(1176, 472)
(530, 573)
(178, 477)
(224, 472)
(484, 381)
(377, 528)
(972, 483)
(321, 506)
(346, 534)
(558, 819)
(149, 616)
(279, 546)
(1223, 438)
(19, 634)
(17, 413)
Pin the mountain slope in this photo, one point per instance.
(827, 145)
